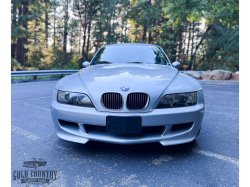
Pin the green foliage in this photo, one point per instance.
(223, 48)
(53, 34)
(37, 78)
(15, 65)
(215, 47)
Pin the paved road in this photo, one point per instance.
(212, 160)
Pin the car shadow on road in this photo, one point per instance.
(149, 149)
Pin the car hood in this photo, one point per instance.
(147, 78)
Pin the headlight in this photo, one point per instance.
(178, 100)
(77, 99)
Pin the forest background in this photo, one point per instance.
(61, 34)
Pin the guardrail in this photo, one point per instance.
(36, 73)
(41, 73)
(190, 70)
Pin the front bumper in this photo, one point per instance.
(158, 117)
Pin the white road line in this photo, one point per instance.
(217, 156)
(164, 158)
(24, 133)
(31, 99)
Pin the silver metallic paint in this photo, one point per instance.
(155, 80)
(158, 117)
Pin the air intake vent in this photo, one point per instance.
(137, 101)
(112, 101)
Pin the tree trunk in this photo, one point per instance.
(46, 23)
(25, 12)
(198, 45)
(20, 51)
(150, 35)
(150, 23)
(192, 50)
(156, 25)
(184, 44)
(156, 32)
(144, 33)
(65, 33)
(189, 38)
(173, 47)
(84, 37)
(79, 40)
(180, 44)
(19, 40)
(89, 28)
(195, 66)
(54, 35)
(109, 36)
(13, 45)
(13, 50)
(21, 58)
(113, 13)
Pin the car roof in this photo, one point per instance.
(132, 44)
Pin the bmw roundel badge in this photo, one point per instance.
(125, 88)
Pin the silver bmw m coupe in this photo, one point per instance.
(128, 94)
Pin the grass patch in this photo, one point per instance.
(37, 77)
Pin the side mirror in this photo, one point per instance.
(177, 65)
(85, 64)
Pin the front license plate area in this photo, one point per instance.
(124, 125)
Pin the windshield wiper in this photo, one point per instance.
(136, 62)
(102, 62)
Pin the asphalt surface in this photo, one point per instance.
(212, 160)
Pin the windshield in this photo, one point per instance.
(130, 54)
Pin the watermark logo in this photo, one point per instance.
(34, 175)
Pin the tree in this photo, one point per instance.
(49, 34)
(65, 26)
